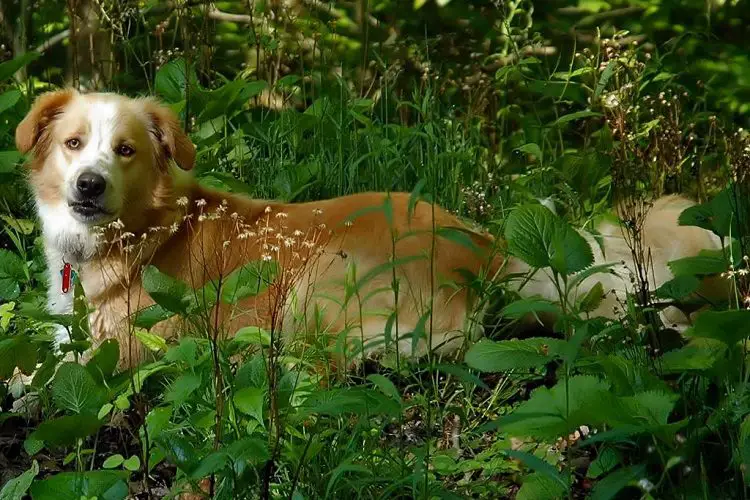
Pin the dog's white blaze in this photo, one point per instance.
(67, 239)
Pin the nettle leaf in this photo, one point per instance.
(491, 356)
(12, 274)
(728, 326)
(100, 484)
(385, 385)
(678, 287)
(542, 239)
(182, 388)
(720, 215)
(66, 430)
(550, 413)
(534, 306)
(172, 81)
(701, 264)
(537, 486)
(75, 390)
(356, 400)
(248, 281)
(16, 488)
(168, 292)
(699, 354)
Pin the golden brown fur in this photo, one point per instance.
(203, 235)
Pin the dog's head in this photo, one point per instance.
(100, 157)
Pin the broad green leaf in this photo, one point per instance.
(150, 316)
(152, 341)
(607, 460)
(354, 400)
(551, 413)
(728, 326)
(113, 461)
(698, 355)
(132, 464)
(74, 389)
(532, 149)
(157, 421)
(592, 299)
(720, 214)
(171, 81)
(540, 466)
(385, 385)
(248, 281)
(9, 68)
(182, 388)
(504, 355)
(537, 486)
(168, 292)
(104, 360)
(678, 287)
(8, 161)
(16, 488)
(534, 306)
(100, 484)
(252, 335)
(698, 265)
(17, 351)
(541, 239)
(12, 274)
(66, 430)
(250, 401)
(612, 484)
(9, 99)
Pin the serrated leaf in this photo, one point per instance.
(504, 355)
(678, 287)
(532, 149)
(537, 486)
(542, 239)
(182, 388)
(698, 265)
(150, 316)
(74, 389)
(727, 326)
(604, 79)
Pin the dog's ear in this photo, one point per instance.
(166, 130)
(46, 107)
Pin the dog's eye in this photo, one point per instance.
(73, 143)
(124, 150)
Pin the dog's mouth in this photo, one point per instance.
(89, 210)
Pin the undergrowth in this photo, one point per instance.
(594, 407)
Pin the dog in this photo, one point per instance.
(114, 193)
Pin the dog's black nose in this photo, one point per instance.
(90, 185)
